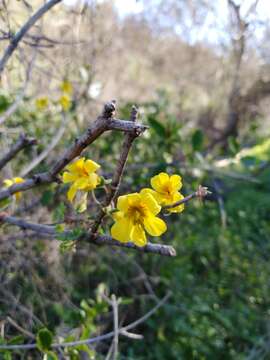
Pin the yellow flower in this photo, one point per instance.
(166, 190)
(10, 182)
(66, 87)
(42, 103)
(81, 174)
(65, 102)
(137, 213)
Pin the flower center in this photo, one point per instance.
(137, 213)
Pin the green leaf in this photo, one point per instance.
(5, 203)
(16, 340)
(234, 146)
(47, 198)
(44, 339)
(157, 126)
(7, 355)
(197, 140)
(50, 355)
(67, 246)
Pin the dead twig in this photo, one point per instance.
(113, 189)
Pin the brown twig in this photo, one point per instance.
(200, 193)
(105, 122)
(22, 143)
(25, 225)
(113, 189)
(50, 230)
(165, 250)
(24, 29)
(21, 329)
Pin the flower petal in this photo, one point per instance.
(81, 183)
(175, 182)
(137, 235)
(91, 166)
(8, 182)
(69, 177)
(18, 180)
(71, 193)
(176, 197)
(125, 201)
(122, 203)
(18, 195)
(121, 230)
(92, 181)
(117, 215)
(76, 166)
(154, 225)
(150, 201)
(158, 181)
(81, 205)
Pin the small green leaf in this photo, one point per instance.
(234, 146)
(157, 126)
(7, 355)
(44, 339)
(4, 204)
(50, 355)
(16, 340)
(197, 140)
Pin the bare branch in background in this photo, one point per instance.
(122, 331)
(14, 42)
(21, 94)
(55, 140)
(22, 143)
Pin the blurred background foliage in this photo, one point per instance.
(206, 101)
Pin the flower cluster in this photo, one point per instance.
(135, 213)
(64, 100)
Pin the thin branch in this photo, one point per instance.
(24, 29)
(200, 193)
(22, 143)
(21, 329)
(113, 189)
(165, 250)
(20, 96)
(95, 339)
(103, 123)
(55, 140)
(21, 223)
(115, 326)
